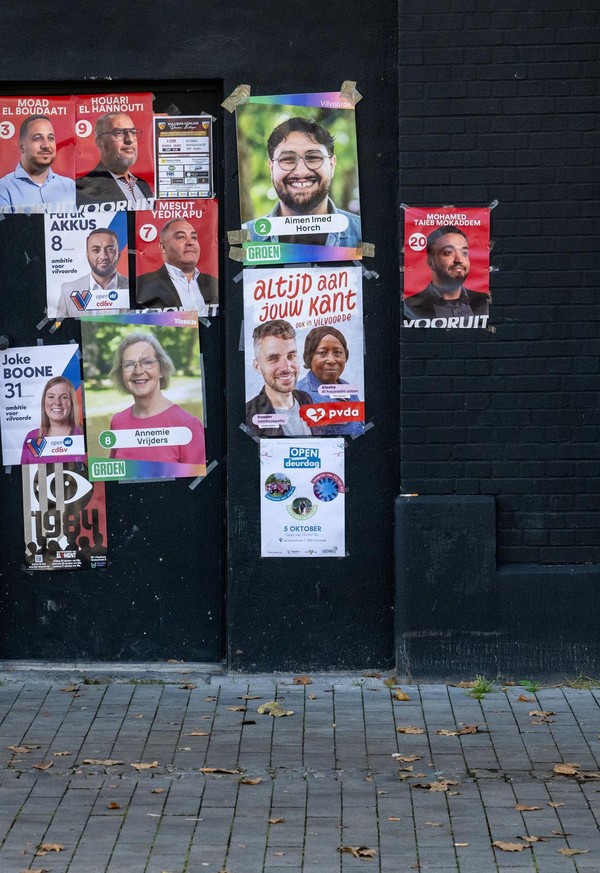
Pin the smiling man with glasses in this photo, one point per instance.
(112, 180)
(302, 165)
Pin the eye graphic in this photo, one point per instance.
(75, 487)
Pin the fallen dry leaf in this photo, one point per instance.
(21, 750)
(189, 686)
(237, 708)
(509, 847)
(198, 734)
(467, 729)
(561, 833)
(399, 694)
(433, 824)
(141, 766)
(522, 807)
(44, 848)
(249, 697)
(271, 707)
(461, 844)
(248, 781)
(522, 698)
(184, 748)
(209, 698)
(359, 851)
(463, 684)
(570, 852)
(394, 818)
(233, 771)
(440, 785)
(541, 713)
(101, 762)
(61, 754)
(279, 854)
(276, 820)
(36, 870)
(372, 675)
(113, 805)
(532, 839)
(70, 688)
(391, 681)
(410, 730)
(302, 680)
(554, 803)
(157, 791)
(567, 769)
(43, 766)
(406, 759)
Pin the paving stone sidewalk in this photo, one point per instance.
(302, 785)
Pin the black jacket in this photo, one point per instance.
(98, 186)
(156, 290)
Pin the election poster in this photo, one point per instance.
(446, 267)
(302, 498)
(177, 256)
(86, 262)
(183, 156)
(41, 405)
(303, 343)
(298, 172)
(37, 154)
(64, 518)
(144, 396)
(114, 138)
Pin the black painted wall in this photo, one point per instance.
(151, 603)
(503, 102)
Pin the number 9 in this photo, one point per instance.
(83, 128)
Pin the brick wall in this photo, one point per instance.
(506, 104)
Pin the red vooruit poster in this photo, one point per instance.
(102, 152)
(37, 152)
(181, 234)
(446, 266)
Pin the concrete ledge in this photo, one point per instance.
(108, 672)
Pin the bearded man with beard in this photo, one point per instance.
(302, 164)
(446, 295)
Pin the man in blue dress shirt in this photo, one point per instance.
(33, 182)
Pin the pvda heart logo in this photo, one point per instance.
(316, 414)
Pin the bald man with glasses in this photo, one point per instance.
(302, 165)
(112, 180)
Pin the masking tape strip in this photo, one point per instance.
(239, 277)
(205, 321)
(195, 482)
(55, 326)
(492, 243)
(236, 254)
(8, 470)
(247, 430)
(491, 328)
(43, 322)
(404, 206)
(242, 344)
(238, 236)
(494, 269)
(239, 95)
(173, 109)
(349, 92)
(368, 250)
(493, 204)
(40, 341)
(357, 436)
